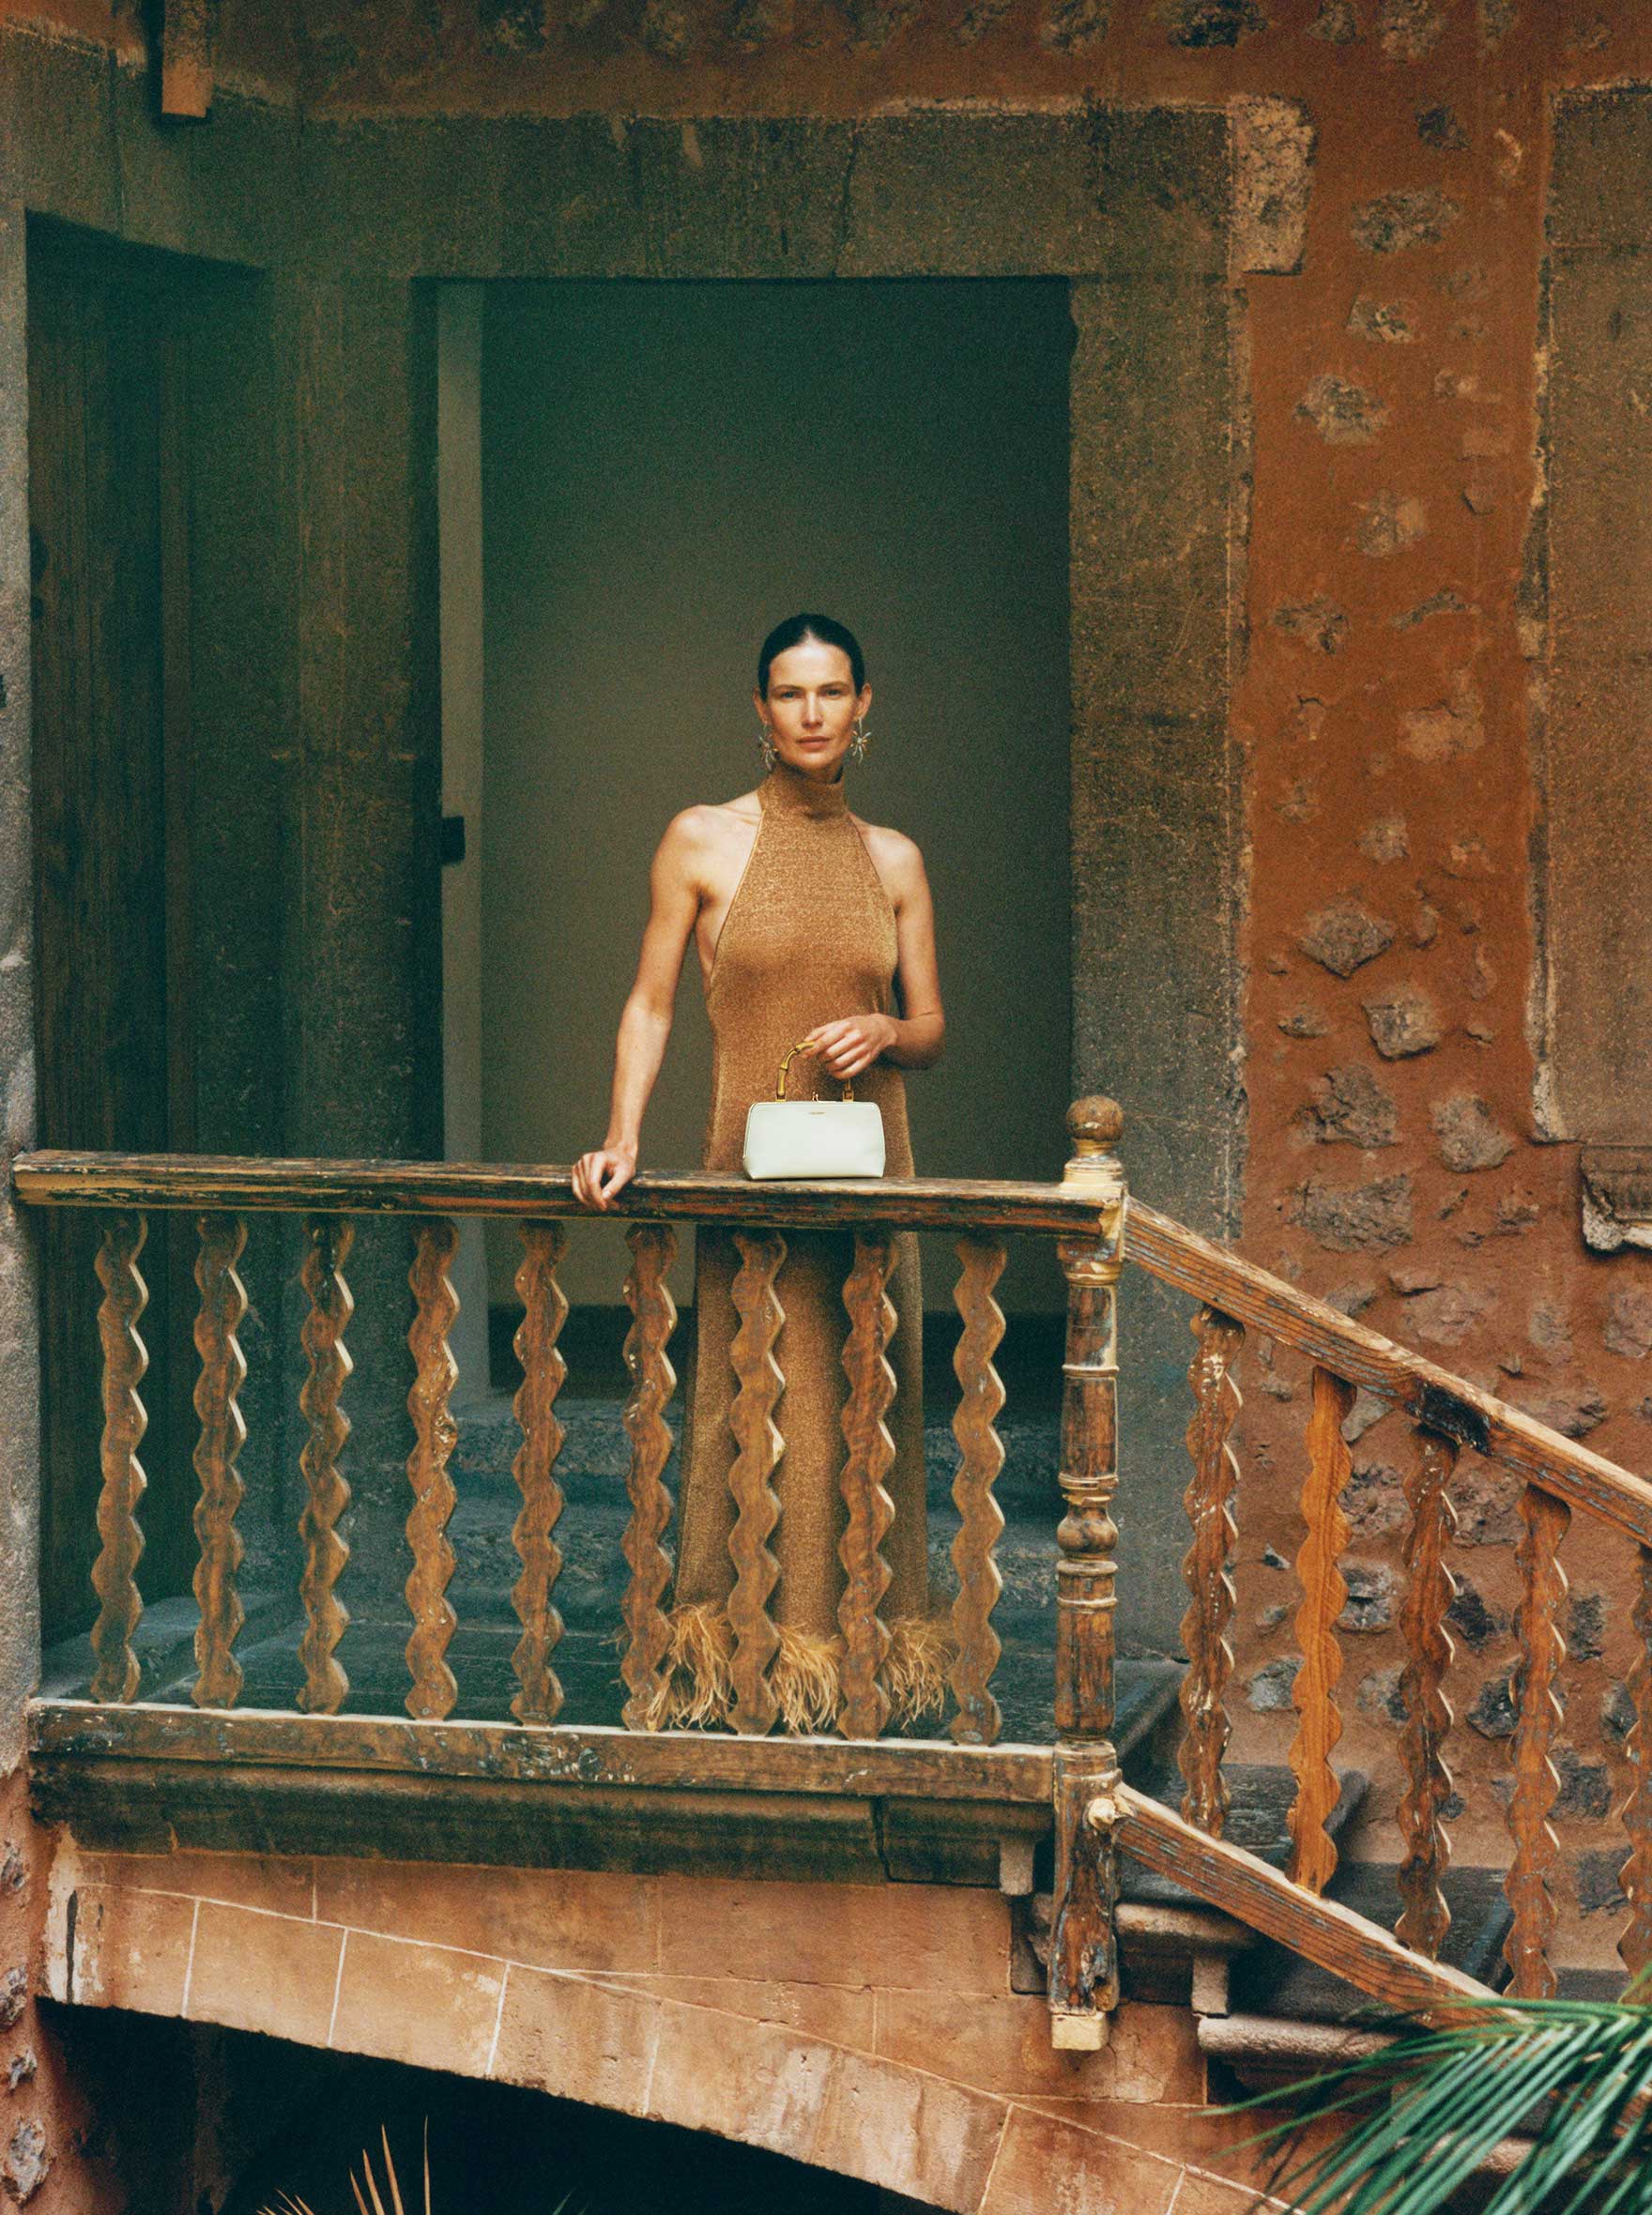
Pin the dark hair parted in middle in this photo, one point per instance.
(823, 630)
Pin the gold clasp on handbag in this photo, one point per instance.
(848, 1090)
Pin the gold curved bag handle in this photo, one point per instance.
(848, 1090)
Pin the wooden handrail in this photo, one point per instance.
(1258, 1895)
(59, 1178)
(121, 1191)
(1432, 1396)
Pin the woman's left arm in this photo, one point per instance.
(914, 1039)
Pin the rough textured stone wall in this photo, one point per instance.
(50, 2158)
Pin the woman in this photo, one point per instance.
(804, 917)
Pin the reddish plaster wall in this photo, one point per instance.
(50, 2159)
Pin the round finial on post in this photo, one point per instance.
(1094, 1123)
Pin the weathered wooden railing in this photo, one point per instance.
(222, 1193)
(1448, 1415)
(1083, 1213)
(1095, 1813)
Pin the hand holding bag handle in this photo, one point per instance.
(848, 1090)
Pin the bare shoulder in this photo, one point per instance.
(898, 857)
(710, 825)
(705, 819)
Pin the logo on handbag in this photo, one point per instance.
(808, 1138)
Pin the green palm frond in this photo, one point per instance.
(1423, 2113)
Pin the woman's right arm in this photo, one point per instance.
(645, 1023)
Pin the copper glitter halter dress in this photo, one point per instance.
(808, 937)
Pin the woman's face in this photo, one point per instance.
(812, 706)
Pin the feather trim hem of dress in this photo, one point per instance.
(696, 1686)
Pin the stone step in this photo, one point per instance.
(591, 1589)
(1258, 1820)
(373, 1655)
(1268, 1980)
(595, 1453)
(164, 1645)
(1595, 1985)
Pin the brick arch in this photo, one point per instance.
(866, 2029)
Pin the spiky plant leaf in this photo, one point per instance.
(369, 2182)
(390, 2170)
(1425, 2113)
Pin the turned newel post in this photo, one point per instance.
(1083, 1958)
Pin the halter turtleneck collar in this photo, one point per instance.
(790, 791)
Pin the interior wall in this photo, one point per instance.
(667, 470)
(459, 309)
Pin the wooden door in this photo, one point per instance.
(108, 513)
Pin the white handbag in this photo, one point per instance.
(808, 1138)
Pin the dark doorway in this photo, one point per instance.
(666, 468)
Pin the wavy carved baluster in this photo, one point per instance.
(1543, 1651)
(865, 1708)
(1313, 1855)
(980, 1519)
(647, 1633)
(327, 1239)
(224, 1371)
(115, 1677)
(1635, 1945)
(1431, 1588)
(543, 1312)
(1206, 1569)
(756, 1506)
(433, 1691)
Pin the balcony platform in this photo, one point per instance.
(148, 1779)
(480, 1787)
